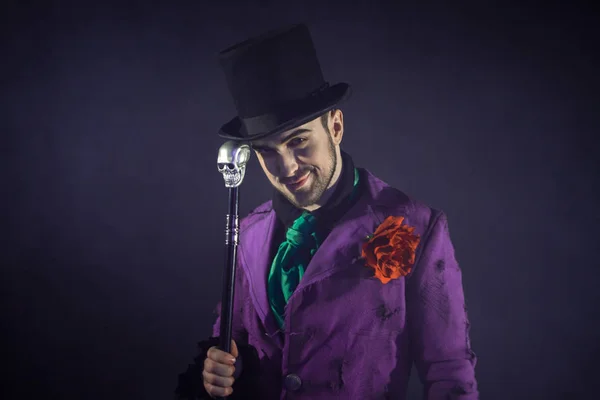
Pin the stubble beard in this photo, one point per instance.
(308, 196)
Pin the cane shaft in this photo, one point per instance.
(231, 242)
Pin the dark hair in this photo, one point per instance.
(325, 120)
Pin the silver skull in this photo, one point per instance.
(231, 161)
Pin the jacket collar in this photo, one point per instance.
(340, 251)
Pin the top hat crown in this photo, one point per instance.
(276, 83)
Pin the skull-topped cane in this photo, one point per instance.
(231, 161)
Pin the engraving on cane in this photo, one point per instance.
(231, 161)
(236, 230)
(227, 230)
(232, 229)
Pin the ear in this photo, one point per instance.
(336, 126)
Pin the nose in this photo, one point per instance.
(286, 165)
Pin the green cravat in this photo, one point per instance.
(290, 262)
(294, 253)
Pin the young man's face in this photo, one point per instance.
(302, 163)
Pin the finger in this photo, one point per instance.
(215, 391)
(234, 349)
(220, 356)
(216, 380)
(216, 368)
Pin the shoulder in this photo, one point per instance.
(258, 214)
(387, 200)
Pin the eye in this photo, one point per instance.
(297, 141)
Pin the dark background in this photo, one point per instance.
(114, 210)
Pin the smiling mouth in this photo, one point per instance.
(298, 184)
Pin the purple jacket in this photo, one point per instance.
(347, 335)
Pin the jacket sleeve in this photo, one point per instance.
(437, 319)
(190, 383)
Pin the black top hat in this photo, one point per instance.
(276, 83)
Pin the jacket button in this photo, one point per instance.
(292, 382)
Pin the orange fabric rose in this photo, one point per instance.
(390, 251)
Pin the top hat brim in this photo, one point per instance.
(326, 101)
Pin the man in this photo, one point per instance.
(343, 282)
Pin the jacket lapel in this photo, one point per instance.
(341, 249)
(255, 257)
